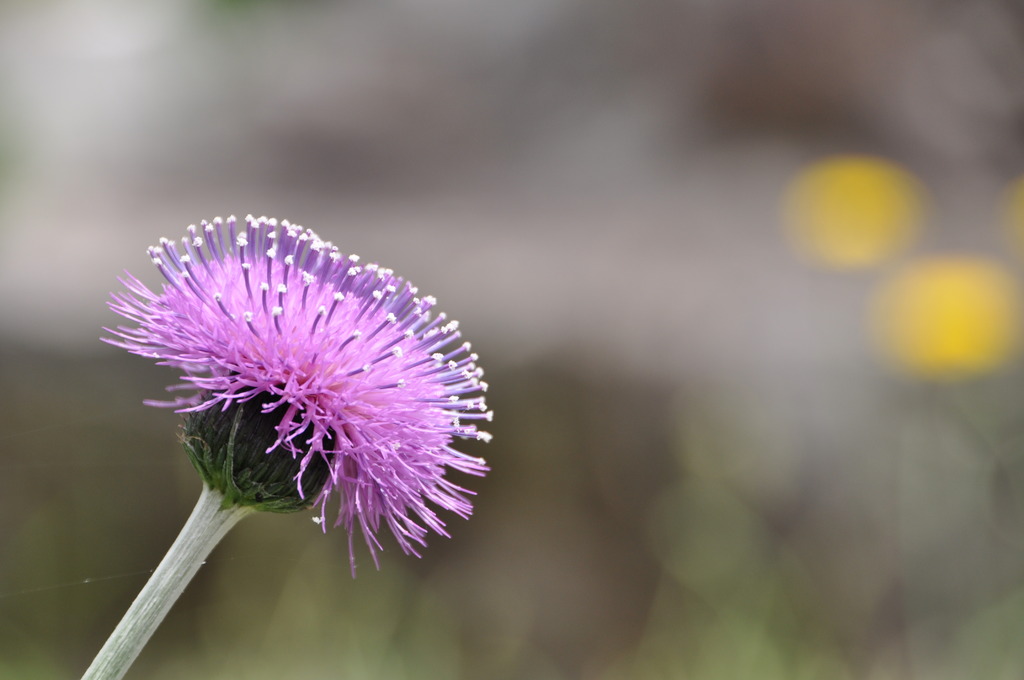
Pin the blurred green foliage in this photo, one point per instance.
(628, 531)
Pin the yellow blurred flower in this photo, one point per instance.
(947, 317)
(853, 211)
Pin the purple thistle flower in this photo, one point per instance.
(362, 375)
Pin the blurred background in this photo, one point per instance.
(745, 278)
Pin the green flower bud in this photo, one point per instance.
(229, 450)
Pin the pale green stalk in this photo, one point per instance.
(208, 523)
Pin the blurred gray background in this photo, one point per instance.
(701, 467)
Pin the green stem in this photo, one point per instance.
(208, 524)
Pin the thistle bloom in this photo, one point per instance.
(361, 380)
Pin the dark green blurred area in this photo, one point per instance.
(700, 469)
(629, 529)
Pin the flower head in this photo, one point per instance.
(348, 360)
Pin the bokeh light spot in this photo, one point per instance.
(947, 317)
(850, 211)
